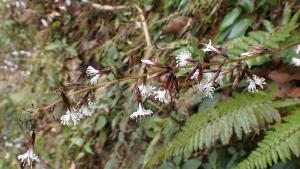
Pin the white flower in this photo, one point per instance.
(195, 75)
(71, 115)
(206, 89)
(90, 71)
(209, 47)
(141, 112)
(162, 96)
(28, 157)
(255, 81)
(94, 80)
(296, 61)
(219, 79)
(183, 58)
(146, 90)
(44, 22)
(88, 109)
(297, 50)
(148, 62)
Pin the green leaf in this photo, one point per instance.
(192, 164)
(101, 122)
(230, 18)
(111, 163)
(54, 45)
(286, 14)
(72, 49)
(278, 144)
(240, 28)
(87, 148)
(78, 141)
(248, 5)
(268, 25)
(285, 102)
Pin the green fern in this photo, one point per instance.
(269, 39)
(239, 115)
(278, 144)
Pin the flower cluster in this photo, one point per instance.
(74, 113)
(255, 81)
(96, 74)
(183, 58)
(29, 157)
(141, 112)
(206, 86)
(161, 96)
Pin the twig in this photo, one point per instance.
(109, 7)
(149, 47)
(36, 113)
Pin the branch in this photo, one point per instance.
(149, 47)
(109, 7)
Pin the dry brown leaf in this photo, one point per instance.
(283, 89)
(178, 25)
(282, 76)
(294, 92)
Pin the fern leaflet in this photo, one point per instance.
(241, 114)
(278, 144)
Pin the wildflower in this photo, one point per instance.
(183, 58)
(71, 114)
(141, 112)
(195, 75)
(88, 109)
(206, 89)
(44, 22)
(162, 96)
(146, 90)
(29, 156)
(296, 61)
(210, 48)
(90, 71)
(255, 81)
(218, 80)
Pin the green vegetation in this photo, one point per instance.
(201, 84)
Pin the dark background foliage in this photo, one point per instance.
(82, 35)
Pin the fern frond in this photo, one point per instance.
(263, 38)
(278, 144)
(238, 115)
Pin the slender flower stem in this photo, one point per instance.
(37, 111)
